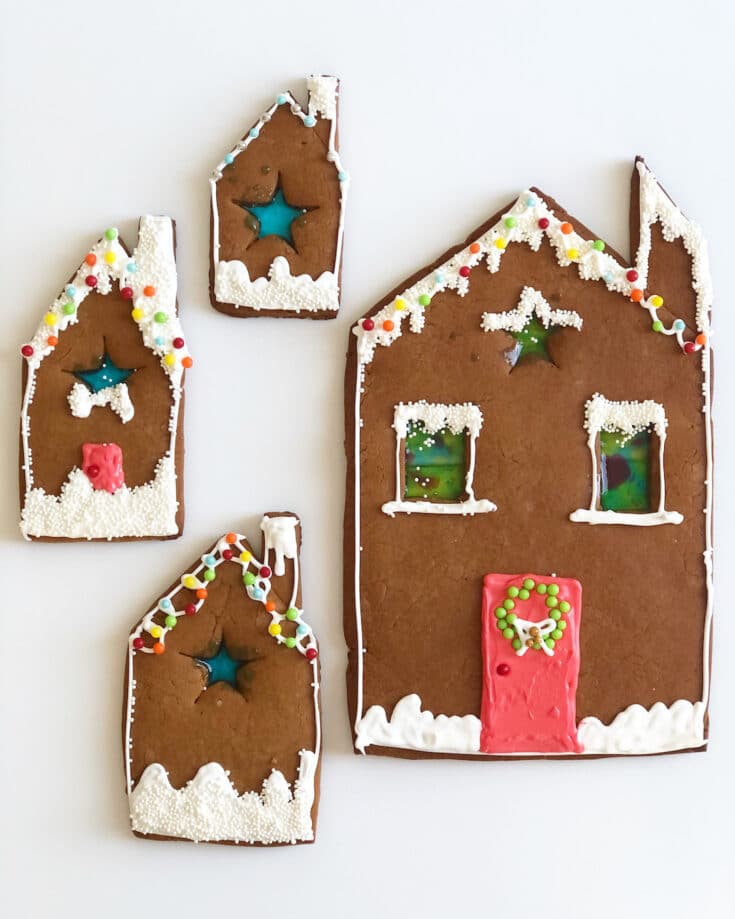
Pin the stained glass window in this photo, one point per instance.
(435, 464)
(625, 472)
(531, 342)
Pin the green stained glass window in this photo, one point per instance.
(531, 342)
(625, 472)
(435, 463)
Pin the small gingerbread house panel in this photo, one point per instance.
(101, 425)
(277, 212)
(222, 729)
(528, 549)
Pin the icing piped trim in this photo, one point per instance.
(82, 401)
(279, 291)
(636, 730)
(209, 809)
(531, 301)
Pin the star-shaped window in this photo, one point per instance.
(275, 217)
(222, 667)
(106, 374)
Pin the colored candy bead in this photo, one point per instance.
(256, 593)
(210, 574)
(165, 603)
(126, 293)
(555, 614)
(500, 243)
(90, 280)
(656, 301)
(52, 341)
(131, 267)
(464, 271)
(274, 629)
(158, 648)
(169, 360)
(511, 618)
(70, 291)
(502, 624)
(310, 121)
(543, 223)
(529, 583)
(210, 561)
(566, 228)
(657, 326)
(424, 300)
(438, 278)
(342, 176)
(253, 132)
(636, 295)
(541, 589)
(290, 642)
(90, 259)
(189, 581)
(137, 313)
(516, 644)
(508, 633)
(311, 654)
(190, 609)
(270, 606)
(68, 309)
(301, 630)
(557, 634)
(178, 342)
(202, 593)
(160, 317)
(388, 325)
(248, 578)
(368, 325)
(523, 594)
(500, 612)
(171, 622)
(701, 340)
(562, 624)
(679, 325)
(149, 290)
(230, 538)
(265, 572)
(229, 159)
(564, 606)
(110, 258)
(509, 604)
(510, 222)
(138, 643)
(475, 248)
(156, 631)
(27, 351)
(400, 304)
(111, 234)
(552, 602)
(513, 591)
(502, 669)
(553, 589)
(245, 556)
(689, 347)
(631, 275)
(598, 245)
(550, 643)
(187, 362)
(49, 319)
(572, 254)
(282, 99)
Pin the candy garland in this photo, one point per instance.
(147, 279)
(257, 582)
(525, 634)
(528, 220)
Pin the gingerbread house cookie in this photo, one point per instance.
(101, 441)
(277, 212)
(221, 708)
(529, 534)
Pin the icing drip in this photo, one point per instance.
(280, 536)
(82, 401)
(209, 808)
(531, 301)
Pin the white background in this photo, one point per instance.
(112, 110)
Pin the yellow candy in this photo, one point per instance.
(110, 258)
(169, 360)
(49, 319)
(500, 243)
(245, 556)
(656, 301)
(274, 628)
(189, 581)
(400, 304)
(137, 314)
(572, 254)
(156, 631)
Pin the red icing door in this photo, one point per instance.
(530, 648)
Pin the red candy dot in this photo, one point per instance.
(190, 609)
(93, 471)
(90, 280)
(311, 654)
(90, 259)
(464, 271)
(690, 347)
(138, 643)
(227, 554)
(265, 572)
(368, 325)
(27, 350)
(178, 342)
(126, 293)
(502, 669)
(543, 223)
(631, 275)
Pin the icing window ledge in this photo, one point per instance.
(628, 418)
(454, 419)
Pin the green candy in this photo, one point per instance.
(502, 624)
(290, 642)
(209, 574)
(111, 234)
(657, 325)
(69, 309)
(552, 602)
(562, 624)
(564, 606)
(509, 604)
(550, 643)
(524, 594)
(292, 614)
(555, 614)
(598, 245)
(160, 317)
(537, 646)
(508, 633)
(553, 589)
(424, 300)
(529, 583)
(541, 589)
(500, 612)
(171, 622)
(510, 222)
(513, 591)
(516, 644)
(556, 634)
(248, 579)
(511, 618)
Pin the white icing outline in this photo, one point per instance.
(151, 263)
(592, 265)
(81, 401)
(629, 418)
(280, 289)
(457, 416)
(280, 538)
(635, 731)
(531, 301)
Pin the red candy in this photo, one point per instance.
(138, 643)
(190, 609)
(502, 669)
(90, 280)
(227, 554)
(178, 342)
(27, 350)
(543, 223)
(93, 471)
(265, 572)
(464, 271)
(311, 654)
(690, 347)
(631, 275)
(368, 325)
(126, 293)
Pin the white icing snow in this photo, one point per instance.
(629, 418)
(82, 400)
(636, 730)
(209, 808)
(280, 536)
(531, 301)
(457, 417)
(323, 96)
(411, 729)
(279, 291)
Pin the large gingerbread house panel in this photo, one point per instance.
(532, 403)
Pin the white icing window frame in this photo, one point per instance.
(457, 416)
(630, 418)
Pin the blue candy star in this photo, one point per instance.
(275, 217)
(222, 668)
(107, 374)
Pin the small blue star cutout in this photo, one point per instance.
(222, 668)
(275, 217)
(107, 374)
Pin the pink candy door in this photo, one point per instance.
(530, 647)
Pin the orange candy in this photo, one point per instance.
(388, 325)
(701, 339)
(187, 362)
(566, 228)
(149, 290)
(202, 593)
(158, 648)
(270, 606)
(52, 341)
(475, 248)
(90, 259)
(636, 295)
(230, 538)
